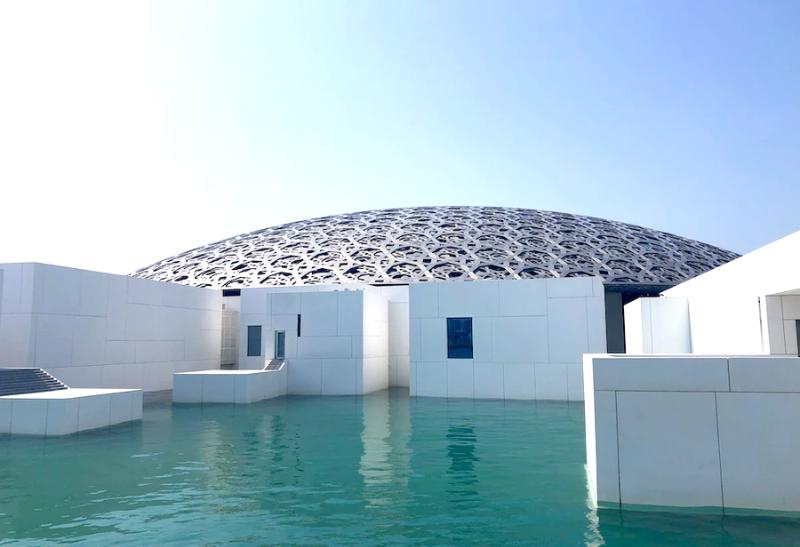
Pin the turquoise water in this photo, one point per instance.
(382, 469)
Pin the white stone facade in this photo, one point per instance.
(97, 330)
(67, 411)
(229, 386)
(693, 431)
(528, 337)
(343, 347)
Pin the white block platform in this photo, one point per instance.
(228, 386)
(693, 431)
(68, 411)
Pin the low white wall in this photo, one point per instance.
(657, 325)
(528, 337)
(229, 386)
(693, 431)
(92, 329)
(67, 411)
(343, 344)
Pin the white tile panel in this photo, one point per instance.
(145, 291)
(324, 347)
(482, 338)
(89, 341)
(320, 313)
(663, 373)
(570, 287)
(601, 445)
(767, 374)
(187, 388)
(525, 297)
(520, 340)
(285, 303)
(254, 301)
(468, 299)
(340, 376)
(93, 412)
(94, 293)
(54, 340)
(791, 306)
(58, 290)
(567, 328)
(29, 417)
(423, 300)
(219, 389)
(460, 378)
(518, 381)
(432, 379)
(668, 453)
(304, 376)
(433, 339)
(16, 340)
(759, 438)
(488, 381)
(350, 319)
(575, 381)
(5, 415)
(551, 381)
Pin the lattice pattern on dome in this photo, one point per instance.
(430, 243)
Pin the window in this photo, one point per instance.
(280, 344)
(459, 337)
(298, 325)
(797, 328)
(253, 340)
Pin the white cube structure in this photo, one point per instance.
(693, 431)
(67, 411)
(527, 336)
(335, 338)
(94, 329)
(229, 386)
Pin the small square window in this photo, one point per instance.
(254, 340)
(459, 337)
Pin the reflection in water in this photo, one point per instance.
(381, 469)
(462, 478)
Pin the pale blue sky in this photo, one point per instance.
(175, 124)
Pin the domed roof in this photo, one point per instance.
(428, 243)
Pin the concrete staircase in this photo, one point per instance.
(16, 381)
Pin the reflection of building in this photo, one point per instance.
(448, 301)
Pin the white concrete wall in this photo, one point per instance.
(92, 329)
(343, 347)
(782, 314)
(399, 361)
(728, 306)
(657, 325)
(693, 431)
(528, 337)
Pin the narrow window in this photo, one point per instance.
(797, 329)
(298, 325)
(280, 344)
(253, 340)
(459, 337)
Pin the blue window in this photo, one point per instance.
(253, 340)
(459, 337)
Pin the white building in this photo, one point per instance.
(708, 415)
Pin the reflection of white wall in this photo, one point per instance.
(657, 325)
(528, 337)
(684, 430)
(343, 344)
(92, 329)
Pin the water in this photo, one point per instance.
(382, 469)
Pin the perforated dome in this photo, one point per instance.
(393, 246)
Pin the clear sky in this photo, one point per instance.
(133, 131)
